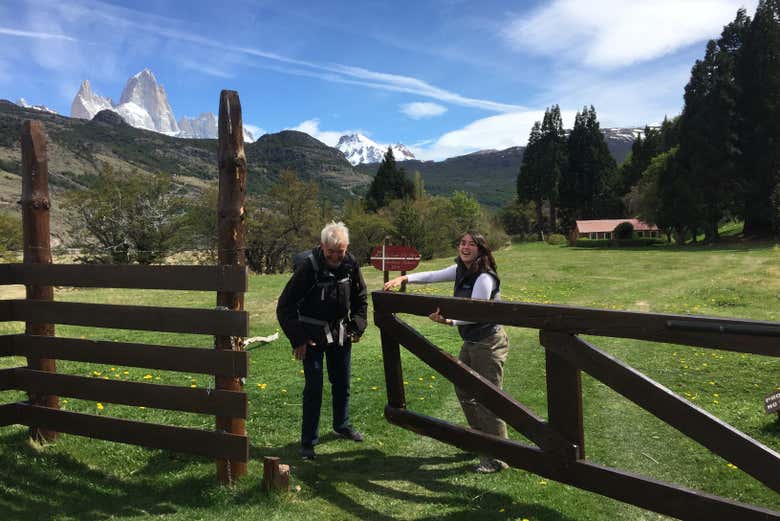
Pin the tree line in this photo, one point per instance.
(131, 217)
(718, 160)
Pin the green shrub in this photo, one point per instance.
(556, 239)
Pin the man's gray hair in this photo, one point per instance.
(335, 234)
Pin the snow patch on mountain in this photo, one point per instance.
(42, 108)
(358, 149)
(205, 127)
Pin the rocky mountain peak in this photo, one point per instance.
(144, 91)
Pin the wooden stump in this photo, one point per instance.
(275, 475)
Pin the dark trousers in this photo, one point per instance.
(339, 363)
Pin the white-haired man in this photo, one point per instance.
(322, 310)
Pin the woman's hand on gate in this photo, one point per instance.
(394, 283)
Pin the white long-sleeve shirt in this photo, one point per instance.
(483, 286)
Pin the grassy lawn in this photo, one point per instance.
(396, 474)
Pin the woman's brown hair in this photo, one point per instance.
(484, 261)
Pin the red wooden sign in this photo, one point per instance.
(395, 258)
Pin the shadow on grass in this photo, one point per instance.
(361, 483)
(48, 485)
(366, 483)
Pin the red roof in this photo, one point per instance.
(608, 225)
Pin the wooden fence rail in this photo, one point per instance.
(226, 401)
(560, 451)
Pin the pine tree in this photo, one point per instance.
(758, 106)
(529, 187)
(552, 158)
(390, 183)
(587, 178)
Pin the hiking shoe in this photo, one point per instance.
(349, 433)
(490, 466)
(307, 453)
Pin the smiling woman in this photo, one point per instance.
(485, 346)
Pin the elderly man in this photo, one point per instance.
(322, 310)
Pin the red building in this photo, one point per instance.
(605, 228)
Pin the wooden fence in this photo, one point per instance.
(559, 453)
(228, 444)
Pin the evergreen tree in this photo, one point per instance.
(390, 183)
(758, 105)
(585, 183)
(552, 159)
(529, 180)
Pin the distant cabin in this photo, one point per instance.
(604, 228)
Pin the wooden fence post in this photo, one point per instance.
(232, 188)
(564, 396)
(37, 248)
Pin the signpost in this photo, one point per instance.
(772, 403)
(387, 258)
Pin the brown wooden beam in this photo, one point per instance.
(6, 311)
(169, 358)
(181, 439)
(756, 459)
(171, 397)
(9, 414)
(7, 379)
(230, 225)
(391, 358)
(462, 376)
(657, 496)
(564, 400)
(8, 275)
(145, 318)
(622, 324)
(198, 278)
(37, 249)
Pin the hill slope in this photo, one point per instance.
(78, 148)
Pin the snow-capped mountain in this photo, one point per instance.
(43, 108)
(143, 96)
(358, 149)
(205, 127)
(86, 103)
(144, 104)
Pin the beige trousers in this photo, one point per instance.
(487, 358)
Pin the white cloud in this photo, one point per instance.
(312, 127)
(616, 33)
(126, 20)
(255, 130)
(494, 132)
(421, 110)
(36, 34)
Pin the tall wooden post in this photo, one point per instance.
(37, 248)
(232, 188)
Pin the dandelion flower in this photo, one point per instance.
(284, 391)
(95, 373)
(193, 385)
(148, 377)
(99, 406)
(374, 388)
(125, 372)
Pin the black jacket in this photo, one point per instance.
(328, 302)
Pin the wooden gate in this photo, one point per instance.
(559, 453)
(228, 322)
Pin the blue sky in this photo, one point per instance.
(445, 77)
